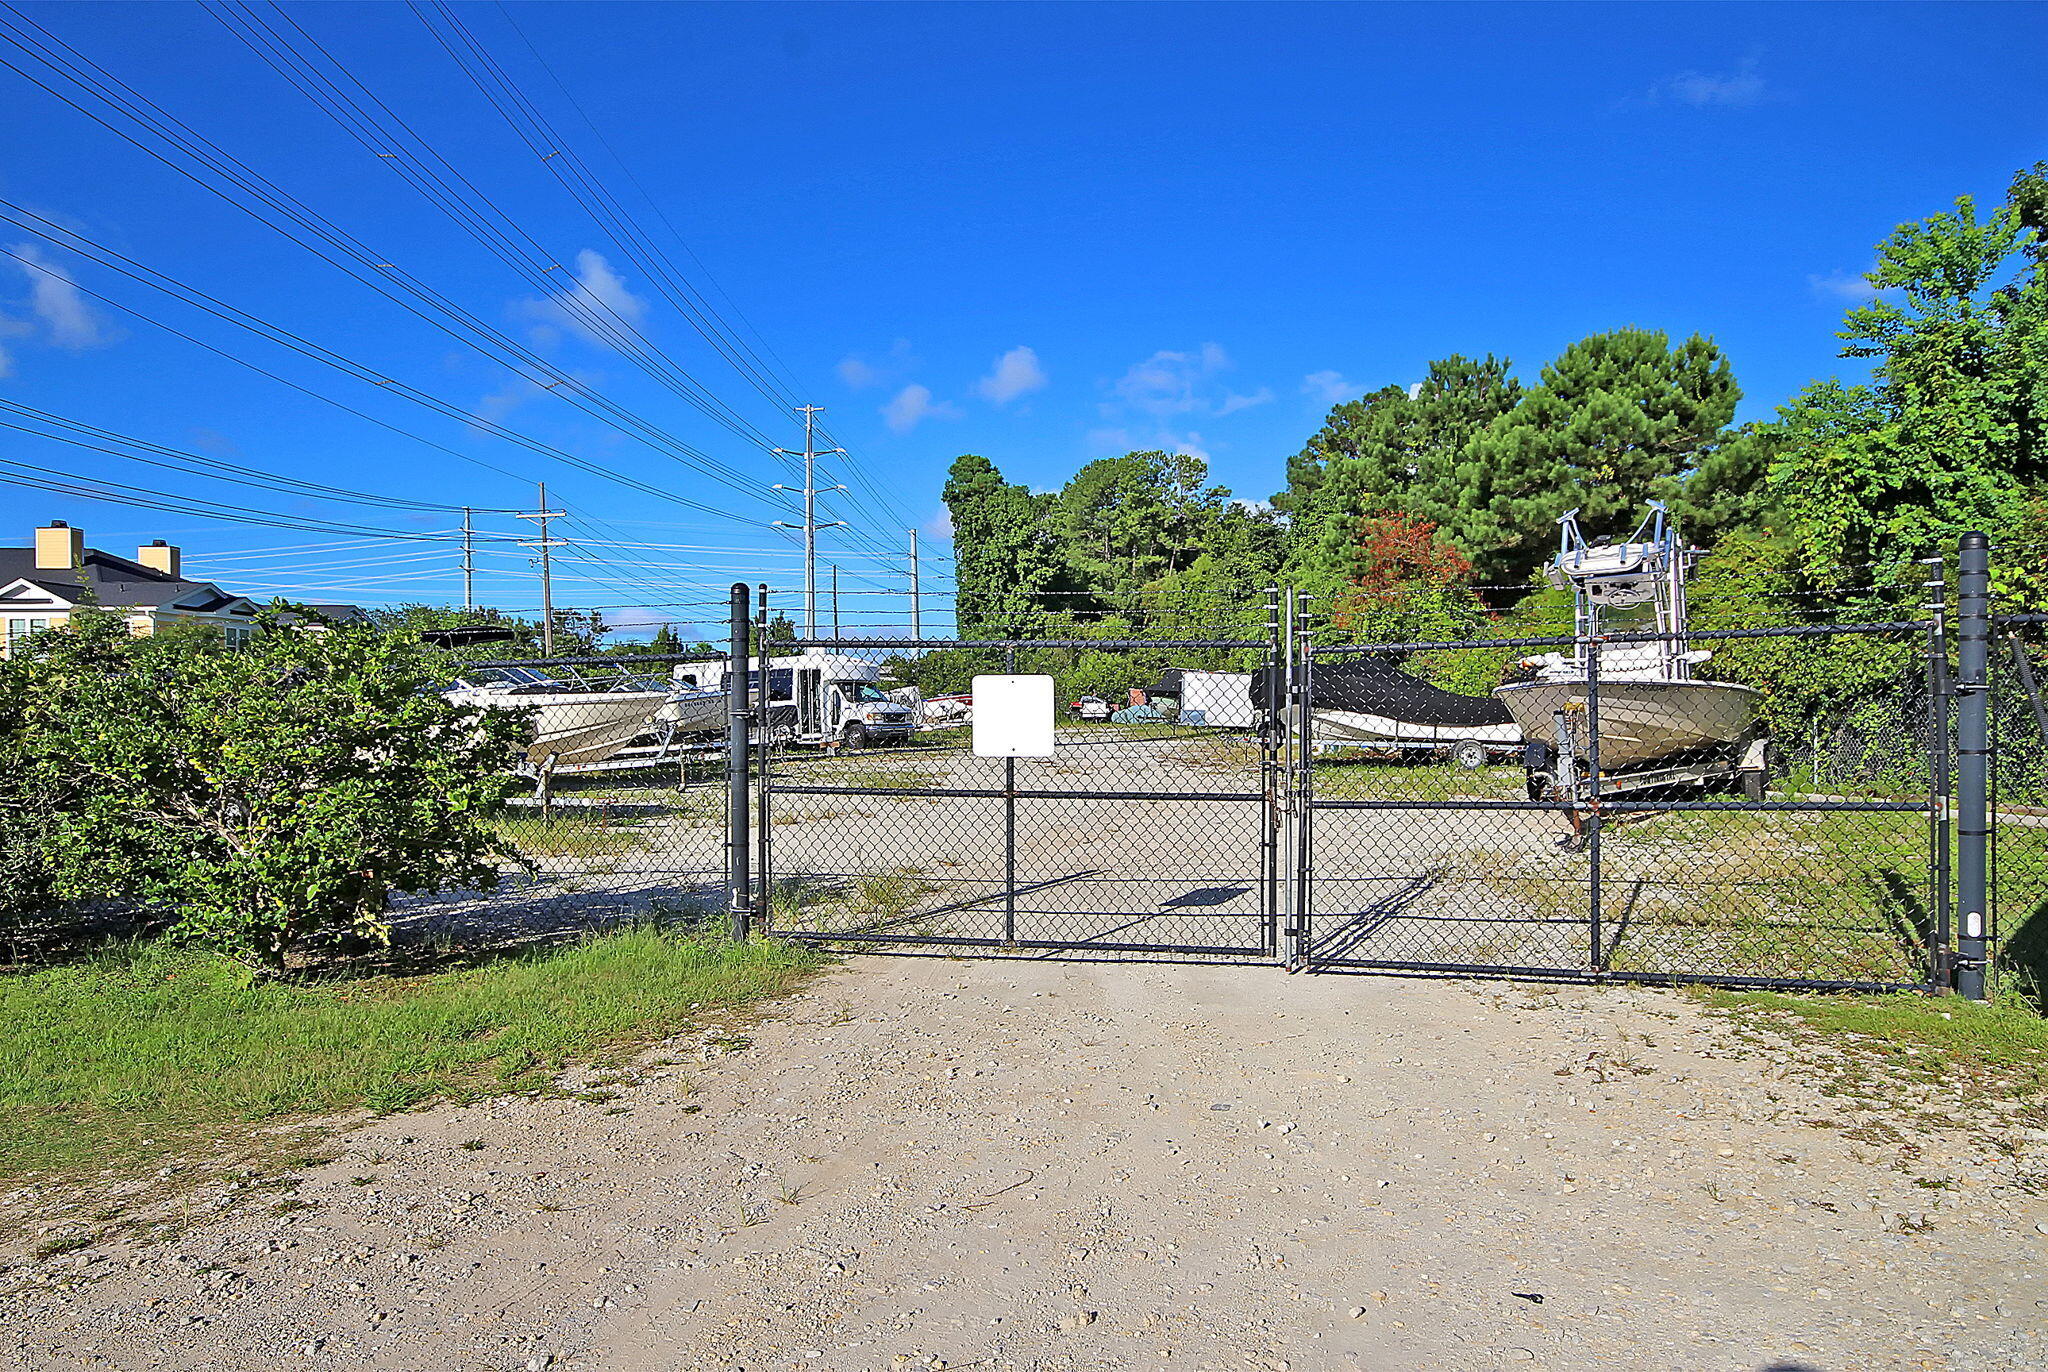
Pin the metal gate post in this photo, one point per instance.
(764, 829)
(1596, 961)
(1973, 756)
(1010, 823)
(739, 885)
(1271, 779)
(1941, 953)
(1301, 803)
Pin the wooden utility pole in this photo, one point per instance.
(547, 570)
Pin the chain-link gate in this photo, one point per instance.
(1532, 807)
(1152, 830)
(1601, 826)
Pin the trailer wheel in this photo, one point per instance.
(1537, 785)
(1469, 753)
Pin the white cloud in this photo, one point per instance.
(1174, 383)
(861, 372)
(939, 526)
(1329, 388)
(1853, 287)
(1414, 389)
(58, 314)
(595, 295)
(914, 403)
(1017, 372)
(1732, 89)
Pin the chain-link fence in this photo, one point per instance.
(1614, 809)
(1237, 778)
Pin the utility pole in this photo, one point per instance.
(468, 565)
(810, 526)
(547, 570)
(916, 624)
(835, 600)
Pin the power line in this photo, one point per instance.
(300, 224)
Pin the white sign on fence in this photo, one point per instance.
(1013, 716)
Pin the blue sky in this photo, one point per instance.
(1042, 233)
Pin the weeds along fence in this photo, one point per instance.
(1257, 775)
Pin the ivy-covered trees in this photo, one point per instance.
(1140, 541)
(1389, 451)
(1952, 431)
(1005, 563)
(263, 796)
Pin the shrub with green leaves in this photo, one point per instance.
(262, 796)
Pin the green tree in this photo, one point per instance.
(1952, 431)
(1618, 419)
(1391, 451)
(262, 797)
(1006, 568)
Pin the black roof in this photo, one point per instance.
(113, 581)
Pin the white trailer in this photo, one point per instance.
(819, 698)
(1220, 700)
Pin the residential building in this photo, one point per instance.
(42, 585)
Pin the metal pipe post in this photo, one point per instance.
(764, 831)
(1938, 780)
(1270, 778)
(1597, 960)
(1973, 759)
(739, 880)
(1010, 824)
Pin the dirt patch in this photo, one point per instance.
(1056, 1165)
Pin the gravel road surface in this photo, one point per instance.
(923, 1163)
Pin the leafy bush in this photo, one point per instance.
(261, 796)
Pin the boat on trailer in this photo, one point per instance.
(575, 719)
(1659, 724)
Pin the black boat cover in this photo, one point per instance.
(1371, 684)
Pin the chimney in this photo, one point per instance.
(162, 557)
(59, 547)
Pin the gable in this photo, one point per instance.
(28, 597)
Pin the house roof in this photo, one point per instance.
(116, 583)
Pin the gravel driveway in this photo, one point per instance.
(921, 1162)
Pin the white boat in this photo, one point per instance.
(1652, 710)
(690, 708)
(574, 720)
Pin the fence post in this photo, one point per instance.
(1941, 971)
(1973, 757)
(1596, 953)
(739, 884)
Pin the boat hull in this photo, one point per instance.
(575, 727)
(1362, 726)
(694, 713)
(1642, 723)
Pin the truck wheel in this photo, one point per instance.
(854, 739)
(1470, 754)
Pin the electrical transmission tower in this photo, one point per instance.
(810, 526)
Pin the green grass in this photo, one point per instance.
(148, 1051)
(571, 833)
(1350, 777)
(2003, 1036)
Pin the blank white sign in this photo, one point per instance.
(1013, 716)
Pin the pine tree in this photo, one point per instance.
(1618, 420)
